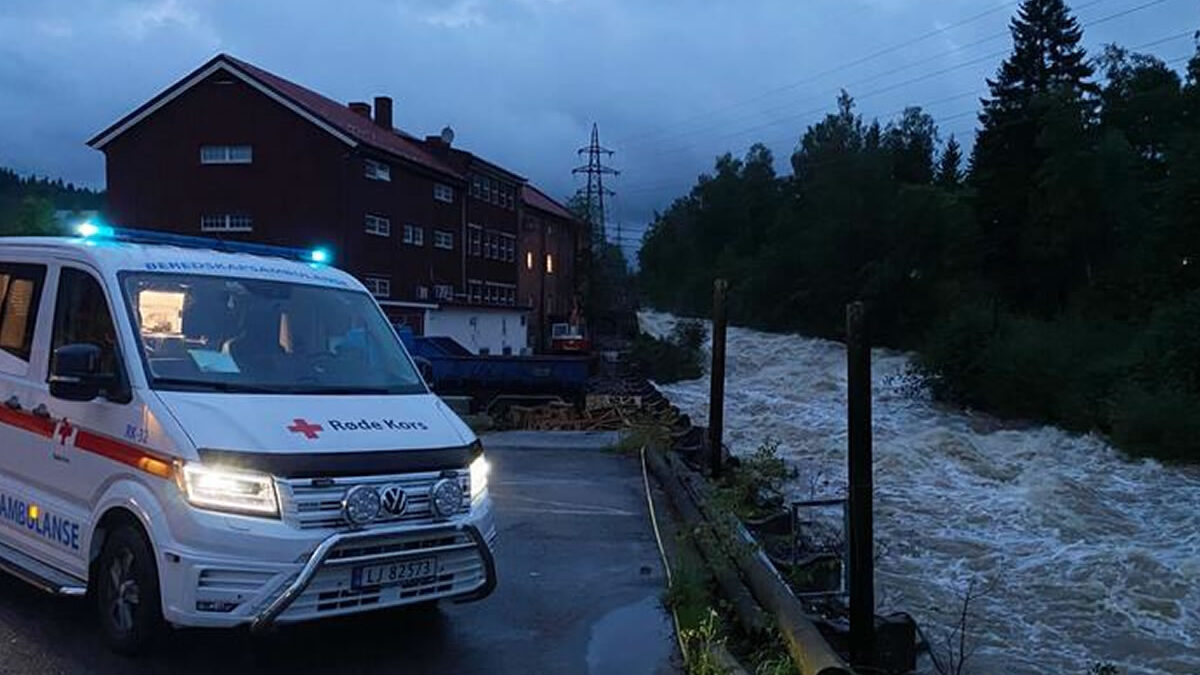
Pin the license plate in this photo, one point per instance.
(400, 572)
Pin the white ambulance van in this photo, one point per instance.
(199, 433)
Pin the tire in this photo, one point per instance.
(128, 603)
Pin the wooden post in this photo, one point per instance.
(716, 394)
(861, 536)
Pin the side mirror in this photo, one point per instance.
(75, 373)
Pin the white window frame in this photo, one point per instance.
(380, 287)
(422, 292)
(226, 222)
(414, 235)
(443, 193)
(226, 154)
(377, 225)
(377, 170)
(475, 240)
(443, 239)
(443, 291)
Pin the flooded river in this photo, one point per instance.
(1087, 556)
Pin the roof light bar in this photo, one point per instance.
(89, 230)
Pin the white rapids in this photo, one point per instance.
(1088, 556)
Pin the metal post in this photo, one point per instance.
(862, 554)
(716, 396)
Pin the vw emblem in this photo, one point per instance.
(393, 499)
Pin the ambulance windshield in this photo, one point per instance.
(204, 333)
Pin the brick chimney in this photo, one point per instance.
(383, 112)
(360, 108)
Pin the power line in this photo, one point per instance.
(891, 88)
(850, 64)
(823, 109)
(920, 78)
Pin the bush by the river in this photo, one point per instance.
(678, 357)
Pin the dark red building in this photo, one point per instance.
(237, 152)
(550, 237)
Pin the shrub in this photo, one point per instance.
(680, 357)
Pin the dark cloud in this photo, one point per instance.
(671, 83)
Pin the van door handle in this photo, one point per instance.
(13, 403)
(41, 411)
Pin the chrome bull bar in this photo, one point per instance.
(265, 618)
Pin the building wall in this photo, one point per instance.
(547, 286)
(155, 179)
(304, 187)
(480, 328)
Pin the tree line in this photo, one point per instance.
(1052, 274)
(28, 203)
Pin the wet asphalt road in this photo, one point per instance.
(579, 587)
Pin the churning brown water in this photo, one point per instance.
(1089, 556)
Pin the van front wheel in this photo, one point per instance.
(126, 591)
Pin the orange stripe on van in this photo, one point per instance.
(122, 452)
(42, 426)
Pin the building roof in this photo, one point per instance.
(334, 117)
(541, 201)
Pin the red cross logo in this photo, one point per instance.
(64, 431)
(303, 427)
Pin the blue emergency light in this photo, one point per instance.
(92, 231)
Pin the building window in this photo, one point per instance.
(475, 235)
(443, 291)
(377, 225)
(422, 292)
(443, 193)
(475, 290)
(549, 263)
(529, 260)
(380, 287)
(376, 170)
(508, 248)
(226, 154)
(443, 239)
(476, 187)
(226, 222)
(414, 235)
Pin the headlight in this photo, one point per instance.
(228, 490)
(479, 475)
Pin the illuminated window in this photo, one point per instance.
(20, 290)
(529, 260)
(549, 263)
(161, 313)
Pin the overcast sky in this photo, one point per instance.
(671, 83)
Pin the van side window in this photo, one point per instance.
(81, 316)
(20, 295)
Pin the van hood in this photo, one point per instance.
(297, 424)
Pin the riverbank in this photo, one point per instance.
(1089, 555)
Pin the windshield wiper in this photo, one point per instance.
(207, 385)
(350, 390)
